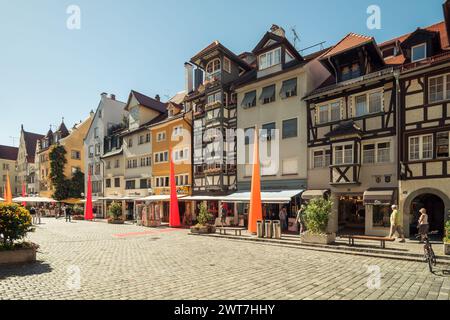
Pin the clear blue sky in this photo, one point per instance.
(48, 72)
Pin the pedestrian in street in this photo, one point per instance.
(396, 224)
(223, 214)
(33, 215)
(68, 214)
(301, 218)
(39, 214)
(283, 218)
(423, 225)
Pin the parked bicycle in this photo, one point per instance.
(429, 255)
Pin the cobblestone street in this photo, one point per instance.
(130, 262)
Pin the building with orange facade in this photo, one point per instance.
(172, 134)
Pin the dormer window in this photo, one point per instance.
(351, 72)
(213, 68)
(270, 59)
(419, 52)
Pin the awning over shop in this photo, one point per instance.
(117, 198)
(311, 194)
(379, 197)
(34, 199)
(266, 196)
(203, 198)
(155, 198)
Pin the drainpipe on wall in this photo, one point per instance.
(398, 127)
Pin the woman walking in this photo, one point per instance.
(424, 226)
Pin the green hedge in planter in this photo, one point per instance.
(317, 215)
(115, 211)
(447, 232)
(15, 223)
(203, 216)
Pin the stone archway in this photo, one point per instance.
(424, 192)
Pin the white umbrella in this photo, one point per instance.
(1, 199)
(34, 199)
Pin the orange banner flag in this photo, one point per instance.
(8, 193)
(255, 212)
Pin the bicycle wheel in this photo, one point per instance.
(428, 258)
(433, 257)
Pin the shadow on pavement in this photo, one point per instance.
(21, 270)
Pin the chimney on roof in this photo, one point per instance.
(112, 96)
(446, 7)
(104, 94)
(157, 97)
(277, 30)
(188, 77)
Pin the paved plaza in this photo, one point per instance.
(94, 260)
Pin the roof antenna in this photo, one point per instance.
(295, 35)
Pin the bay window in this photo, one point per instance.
(213, 69)
(343, 154)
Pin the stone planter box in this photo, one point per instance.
(119, 221)
(203, 230)
(312, 238)
(447, 249)
(17, 256)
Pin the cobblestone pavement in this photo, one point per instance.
(130, 262)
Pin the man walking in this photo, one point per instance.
(68, 214)
(283, 218)
(396, 224)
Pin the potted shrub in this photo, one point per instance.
(115, 213)
(447, 238)
(317, 215)
(15, 223)
(78, 213)
(203, 217)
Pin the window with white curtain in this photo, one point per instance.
(421, 147)
(270, 59)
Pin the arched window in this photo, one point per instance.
(213, 67)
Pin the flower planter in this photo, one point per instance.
(18, 256)
(447, 248)
(114, 221)
(78, 218)
(203, 229)
(312, 238)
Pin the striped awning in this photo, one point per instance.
(379, 197)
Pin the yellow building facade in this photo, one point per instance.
(72, 141)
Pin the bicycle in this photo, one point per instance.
(429, 255)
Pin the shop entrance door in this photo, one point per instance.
(351, 215)
(436, 213)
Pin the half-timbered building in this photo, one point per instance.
(352, 137)
(214, 115)
(424, 166)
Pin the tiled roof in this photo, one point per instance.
(179, 97)
(8, 153)
(350, 41)
(30, 143)
(437, 27)
(149, 102)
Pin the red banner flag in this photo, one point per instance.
(88, 213)
(174, 218)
